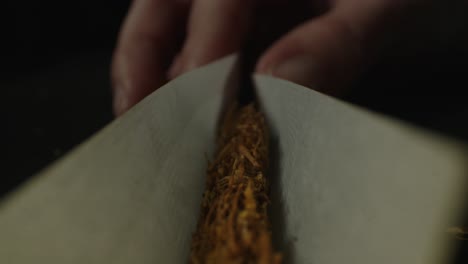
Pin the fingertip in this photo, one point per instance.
(282, 50)
(320, 54)
(120, 102)
(176, 68)
(132, 80)
(184, 63)
(264, 66)
(120, 80)
(215, 29)
(145, 47)
(287, 60)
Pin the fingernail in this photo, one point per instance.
(120, 102)
(300, 69)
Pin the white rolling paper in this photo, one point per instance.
(132, 193)
(350, 186)
(356, 187)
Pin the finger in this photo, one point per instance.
(328, 52)
(216, 28)
(144, 50)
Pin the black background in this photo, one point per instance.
(55, 88)
(54, 79)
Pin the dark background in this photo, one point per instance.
(55, 87)
(54, 79)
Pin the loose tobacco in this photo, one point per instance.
(233, 226)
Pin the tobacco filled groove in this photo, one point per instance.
(233, 226)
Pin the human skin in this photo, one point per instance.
(161, 39)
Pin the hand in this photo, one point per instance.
(325, 52)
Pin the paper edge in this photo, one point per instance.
(232, 60)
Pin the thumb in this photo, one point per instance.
(328, 52)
